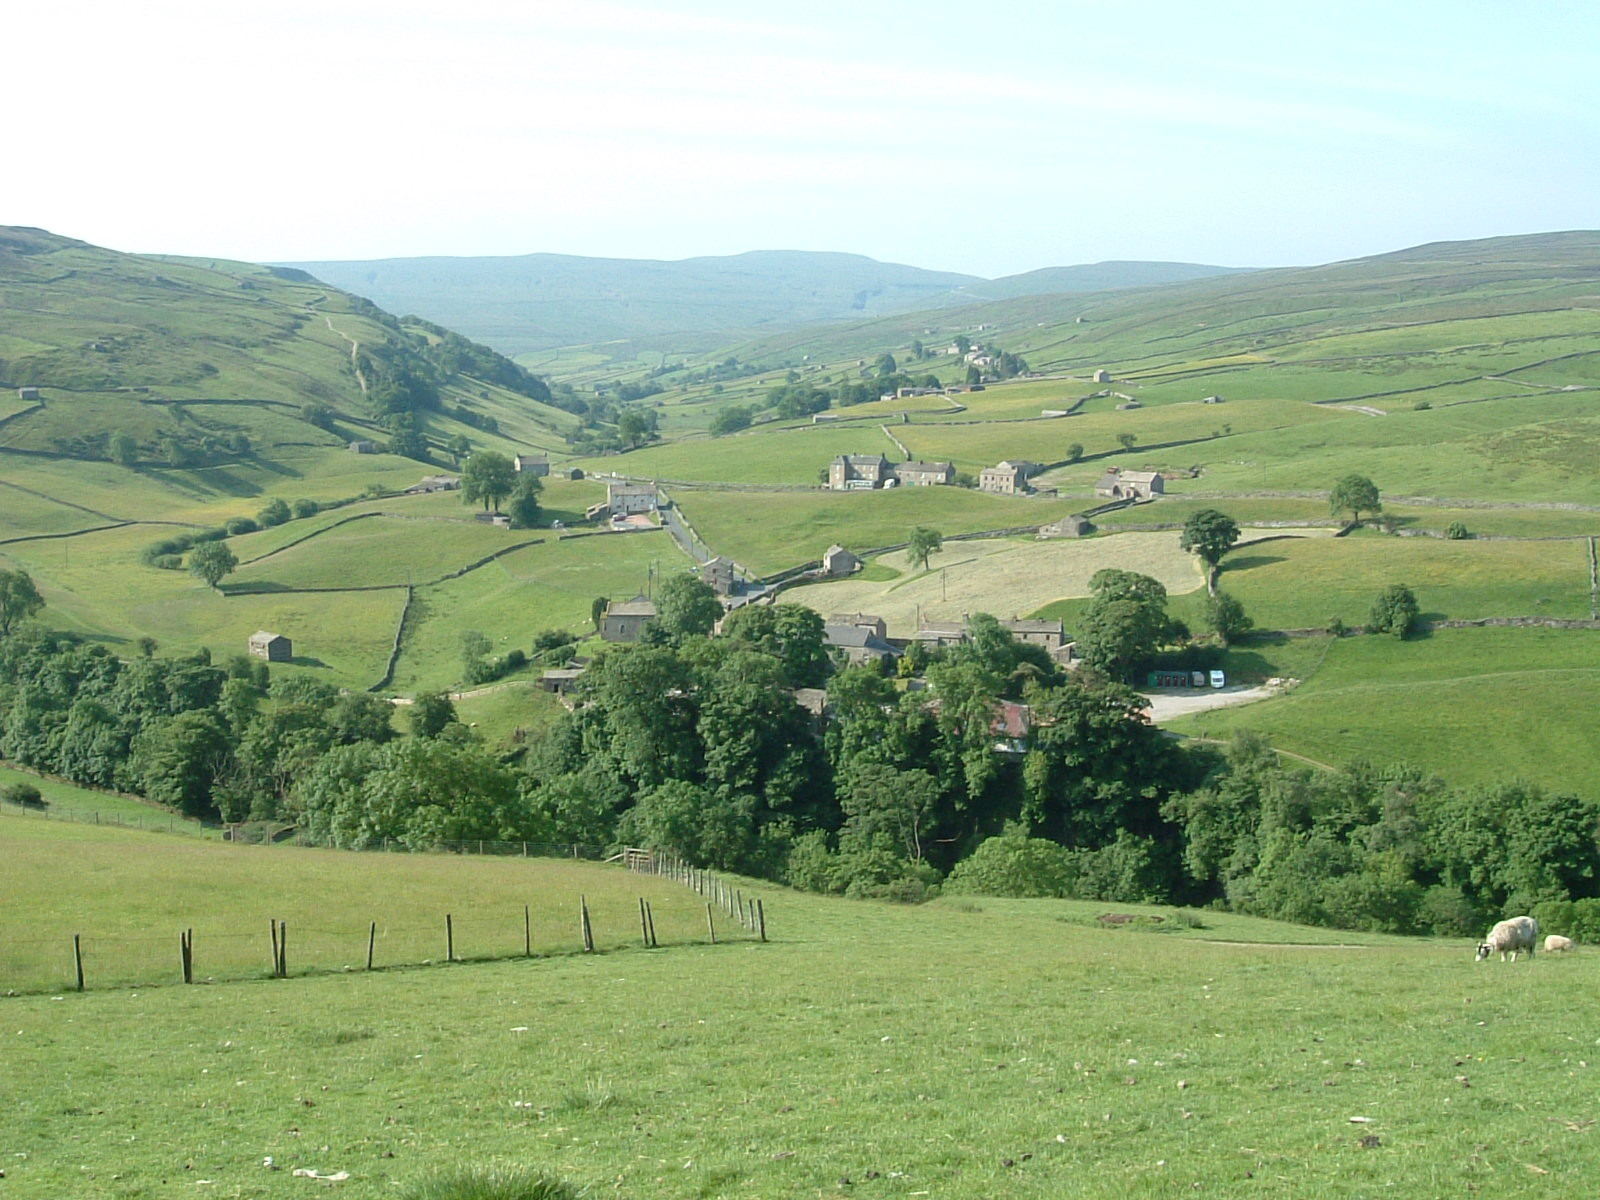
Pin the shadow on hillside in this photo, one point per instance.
(253, 587)
(302, 660)
(1245, 562)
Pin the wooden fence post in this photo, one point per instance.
(77, 957)
(761, 919)
(644, 925)
(650, 919)
(449, 939)
(274, 925)
(283, 949)
(584, 927)
(711, 925)
(527, 932)
(372, 942)
(186, 953)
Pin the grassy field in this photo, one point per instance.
(1004, 577)
(1472, 705)
(1303, 582)
(768, 532)
(965, 1048)
(69, 802)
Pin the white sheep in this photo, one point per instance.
(1509, 937)
(1556, 944)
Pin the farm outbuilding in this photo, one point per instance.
(273, 647)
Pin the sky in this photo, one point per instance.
(989, 138)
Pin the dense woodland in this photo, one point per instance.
(699, 745)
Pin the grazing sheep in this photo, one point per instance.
(1556, 944)
(1510, 936)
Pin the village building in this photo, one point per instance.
(624, 499)
(857, 644)
(839, 561)
(273, 647)
(941, 633)
(1049, 634)
(859, 472)
(536, 465)
(434, 483)
(363, 446)
(1073, 525)
(569, 473)
(719, 574)
(868, 621)
(560, 680)
(1006, 479)
(925, 474)
(28, 395)
(623, 621)
(1117, 484)
(1102, 376)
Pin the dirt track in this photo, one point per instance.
(1180, 702)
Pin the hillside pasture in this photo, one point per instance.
(392, 550)
(1020, 1048)
(1004, 577)
(1302, 583)
(548, 586)
(65, 801)
(1471, 705)
(768, 532)
(797, 456)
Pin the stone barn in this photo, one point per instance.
(273, 647)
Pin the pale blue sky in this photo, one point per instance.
(989, 138)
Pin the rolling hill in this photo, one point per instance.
(536, 302)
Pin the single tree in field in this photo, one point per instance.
(524, 504)
(459, 447)
(1074, 452)
(1209, 534)
(1395, 611)
(1126, 440)
(1125, 621)
(19, 599)
(1227, 617)
(1355, 494)
(924, 543)
(430, 713)
(489, 477)
(211, 561)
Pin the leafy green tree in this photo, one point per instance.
(1355, 494)
(924, 544)
(431, 713)
(1074, 452)
(488, 477)
(277, 512)
(686, 606)
(179, 760)
(1014, 864)
(19, 600)
(458, 447)
(636, 427)
(305, 508)
(210, 561)
(1226, 617)
(1395, 611)
(122, 449)
(880, 799)
(1124, 622)
(791, 633)
(1209, 534)
(361, 717)
(524, 506)
(597, 609)
(1126, 440)
(885, 366)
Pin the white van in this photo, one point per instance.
(1217, 680)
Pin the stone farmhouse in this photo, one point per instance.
(624, 499)
(720, 575)
(925, 474)
(623, 621)
(1116, 484)
(531, 464)
(859, 472)
(1008, 478)
(1073, 525)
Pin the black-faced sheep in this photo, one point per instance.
(1509, 937)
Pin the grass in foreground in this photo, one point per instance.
(966, 1048)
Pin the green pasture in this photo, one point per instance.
(94, 584)
(133, 892)
(798, 456)
(69, 802)
(970, 1047)
(1471, 705)
(549, 586)
(767, 532)
(392, 550)
(502, 713)
(1304, 582)
(1487, 520)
